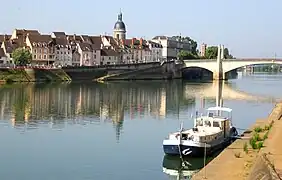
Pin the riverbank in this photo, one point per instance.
(153, 70)
(246, 161)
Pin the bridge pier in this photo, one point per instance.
(218, 73)
(219, 76)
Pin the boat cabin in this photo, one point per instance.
(217, 118)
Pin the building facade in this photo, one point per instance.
(156, 51)
(63, 49)
(171, 46)
(3, 57)
(203, 50)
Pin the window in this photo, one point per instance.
(109, 58)
(39, 57)
(215, 124)
(40, 50)
(94, 56)
(45, 56)
(34, 51)
(34, 57)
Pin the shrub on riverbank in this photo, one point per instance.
(256, 141)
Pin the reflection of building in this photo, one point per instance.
(162, 109)
(59, 105)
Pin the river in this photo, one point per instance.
(114, 130)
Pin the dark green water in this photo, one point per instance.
(112, 131)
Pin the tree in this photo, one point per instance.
(226, 54)
(211, 53)
(186, 55)
(21, 56)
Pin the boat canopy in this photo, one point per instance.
(219, 109)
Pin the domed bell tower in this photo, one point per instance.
(119, 28)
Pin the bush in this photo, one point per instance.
(246, 148)
(258, 129)
(256, 137)
(265, 136)
(253, 143)
(260, 145)
(266, 127)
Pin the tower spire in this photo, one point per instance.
(120, 15)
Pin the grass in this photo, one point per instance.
(258, 129)
(246, 148)
(256, 141)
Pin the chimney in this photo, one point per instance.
(74, 37)
(132, 42)
(141, 43)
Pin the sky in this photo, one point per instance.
(248, 28)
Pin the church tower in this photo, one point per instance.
(119, 28)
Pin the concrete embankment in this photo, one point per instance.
(153, 70)
(167, 70)
(241, 160)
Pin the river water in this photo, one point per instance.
(114, 130)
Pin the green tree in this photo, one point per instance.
(186, 55)
(211, 53)
(21, 56)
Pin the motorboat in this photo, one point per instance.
(210, 133)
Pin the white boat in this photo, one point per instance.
(209, 134)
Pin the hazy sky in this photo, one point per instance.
(249, 28)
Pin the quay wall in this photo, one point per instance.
(167, 70)
(234, 163)
(141, 71)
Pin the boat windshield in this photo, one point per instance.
(219, 113)
(199, 122)
(207, 122)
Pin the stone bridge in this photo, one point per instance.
(220, 66)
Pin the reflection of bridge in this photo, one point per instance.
(221, 90)
(219, 67)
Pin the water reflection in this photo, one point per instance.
(179, 169)
(59, 105)
(90, 115)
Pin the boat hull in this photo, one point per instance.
(193, 150)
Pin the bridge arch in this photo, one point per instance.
(235, 64)
(209, 65)
(205, 68)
